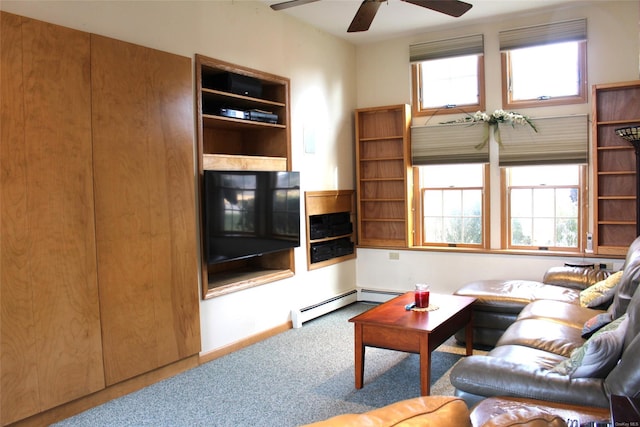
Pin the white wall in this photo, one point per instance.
(323, 86)
(384, 78)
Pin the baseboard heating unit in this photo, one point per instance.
(298, 317)
(375, 295)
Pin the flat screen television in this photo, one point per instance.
(250, 213)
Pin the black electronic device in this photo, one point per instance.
(234, 114)
(234, 83)
(330, 225)
(249, 213)
(262, 116)
(322, 251)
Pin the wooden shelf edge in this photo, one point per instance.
(616, 197)
(245, 281)
(611, 250)
(382, 159)
(316, 265)
(616, 222)
(380, 138)
(211, 120)
(241, 162)
(382, 243)
(242, 97)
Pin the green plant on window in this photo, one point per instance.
(493, 120)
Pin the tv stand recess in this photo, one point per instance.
(228, 143)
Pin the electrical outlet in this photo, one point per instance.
(606, 266)
(394, 255)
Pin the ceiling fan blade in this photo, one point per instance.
(290, 3)
(453, 8)
(364, 16)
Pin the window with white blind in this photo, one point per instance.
(544, 64)
(447, 75)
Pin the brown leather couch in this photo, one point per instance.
(526, 358)
(436, 411)
(448, 411)
(498, 302)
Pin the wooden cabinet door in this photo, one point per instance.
(50, 326)
(143, 144)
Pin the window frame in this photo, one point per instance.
(418, 219)
(580, 98)
(582, 216)
(416, 93)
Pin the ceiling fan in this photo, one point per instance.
(369, 8)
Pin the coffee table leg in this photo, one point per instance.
(468, 332)
(425, 365)
(359, 353)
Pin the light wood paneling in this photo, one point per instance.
(144, 180)
(50, 327)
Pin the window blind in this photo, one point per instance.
(557, 32)
(559, 140)
(451, 143)
(459, 46)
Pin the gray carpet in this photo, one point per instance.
(297, 377)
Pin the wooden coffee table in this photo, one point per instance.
(392, 327)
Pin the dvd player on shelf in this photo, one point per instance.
(254, 115)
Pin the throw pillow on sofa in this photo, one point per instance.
(594, 324)
(599, 354)
(601, 292)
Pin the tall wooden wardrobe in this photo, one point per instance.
(98, 245)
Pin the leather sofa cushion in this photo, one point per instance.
(526, 417)
(528, 411)
(561, 312)
(557, 338)
(574, 277)
(436, 411)
(533, 356)
(510, 296)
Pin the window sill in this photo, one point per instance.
(563, 254)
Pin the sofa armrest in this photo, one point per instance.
(574, 277)
(493, 376)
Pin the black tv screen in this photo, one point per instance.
(250, 213)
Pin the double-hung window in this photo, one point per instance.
(544, 65)
(452, 204)
(543, 179)
(450, 172)
(545, 205)
(451, 165)
(447, 75)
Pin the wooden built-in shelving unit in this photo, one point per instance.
(383, 174)
(615, 105)
(227, 143)
(330, 216)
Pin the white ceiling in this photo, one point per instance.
(397, 18)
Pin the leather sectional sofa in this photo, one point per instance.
(543, 354)
(499, 302)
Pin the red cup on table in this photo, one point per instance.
(421, 294)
